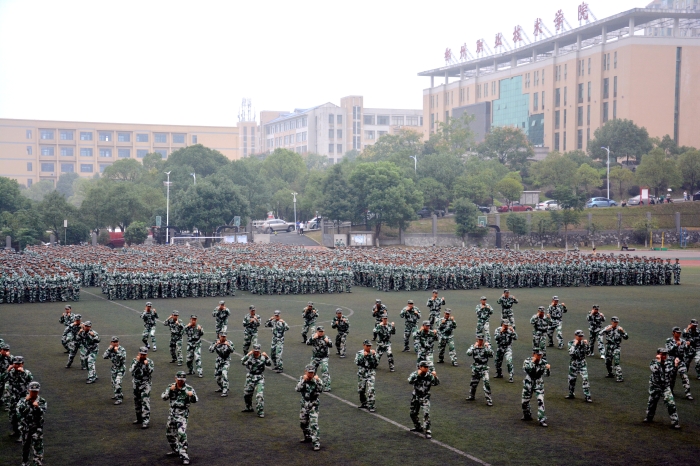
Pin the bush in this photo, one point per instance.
(642, 228)
(549, 194)
(136, 233)
(597, 193)
(103, 238)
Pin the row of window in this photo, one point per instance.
(108, 136)
(286, 140)
(288, 125)
(335, 118)
(333, 147)
(370, 134)
(409, 120)
(48, 167)
(48, 151)
(332, 133)
(536, 76)
(560, 141)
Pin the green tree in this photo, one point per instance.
(472, 187)
(124, 170)
(587, 178)
(123, 204)
(136, 233)
(510, 189)
(24, 226)
(508, 145)
(658, 172)
(153, 161)
(11, 198)
(37, 191)
(566, 218)
(398, 149)
(444, 167)
(93, 210)
(311, 200)
(689, 166)
(623, 137)
(338, 197)
(384, 196)
(315, 161)
(466, 217)
(555, 170)
(454, 137)
(54, 209)
(245, 174)
(197, 159)
(517, 224)
(435, 195)
(64, 185)
(283, 165)
(622, 178)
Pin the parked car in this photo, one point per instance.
(696, 196)
(515, 207)
(483, 209)
(116, 239)
(636, 200)
(277, 224)
(548, 205)
(426, 212)
(600, 202)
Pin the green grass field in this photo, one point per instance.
(84, 427)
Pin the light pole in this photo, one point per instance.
(415, 163)
(194, 175)
(608, 151)
(167, 210)
(65, 232)
(295, 211)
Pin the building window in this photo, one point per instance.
(615, 62)
(486, 89)
(47, 151)
(579, 140)
(368, 119)
(161, 138)
(67, 151)
(615, 86)
(162, 152)
(493, 88)
(606, 88)
(331, 133)
(556, 141)
(86, 135)
(557, 97)
(580, 116)
(535, 102)
(412, 121)
(67, 168)
(29, 166)
(563, 148)
(86, 168)
(65, 135)
(383, 119)
(381, 133)
(105, 136)
(614, 109)
(339, 148)
(589, 66)
(589, 91)
(123, 153)
(105, 152)
(86, 152)
(29, 134)
(588, 115)
(356, 112)
(29, 182)
(103, 166)
(564, 118)
(339, 133)
(142, 138)
(369, 135)
(141, 153)
(330, 148)
(29, 150)
(47, 167)
(46, 134)
(565, 72)
(543, 92)
(432, 121)
(123, 137)
(588, 135)
(179, 138)
(580, 93)
(397, 120)
(605, 112)
(605, 62)
(557, 116)
(338, 119)
(194, 138)
(565, 94)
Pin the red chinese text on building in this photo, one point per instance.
(559, 20)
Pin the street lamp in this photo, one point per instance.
(194, 175)
(167, 210)
(295, 211)
(608, 151)
(415, 162)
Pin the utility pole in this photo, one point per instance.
(65, 232)
(295, 211)
(608, 151)
(167, 210)
(415, 163)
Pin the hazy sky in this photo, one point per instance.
(177, 62)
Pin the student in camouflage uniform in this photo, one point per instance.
(506, 301)
(481, 352)
(433, 305)
(66, 319)
(614, 334)
(309, 314)
(483, 314)
(117, 354)
(677, 348)
(221, 315)
(255, 362)
(17, 380)
(72, 339)
(535, 369)
(556, 312)
(692, 335)
(446, 328)
(540, 324)
(5, 363)
(319, 358)
(504, 336)
(223, 349)
(30, 412)
(660, 386)
(177, 329)
(384, 332)
(422, 380)
(367, 362)
(411, 315)
(310, 387)
(180, 395)
(341, 323)
(149, 317)
(423, 343)
(595, 326)
(194, 334)
(578, 349)
(378, 311)
(279, 327)
(90, 341)
(141, 373)
(677, 273)
(251, 322)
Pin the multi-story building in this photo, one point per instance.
(332, 130)
(641, 65)
(33, 150)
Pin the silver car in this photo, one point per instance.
(277, 224)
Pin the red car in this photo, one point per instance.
(515, 207)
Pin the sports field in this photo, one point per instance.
(84, 427)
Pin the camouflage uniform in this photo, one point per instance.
(423, 343)
(5, 361)
(507, 308)
(89, 340)
(343, 325)
(223, 361)
(692, 334)
(556, 313)
(678, 349)
(504, 350)
(446, 329)
(309, 316)
(660, 387)
(366, 371)
(420, 398)
(31, 427)
(480, 370)
(378, 311)
(149, 327)
(577, 365)
(66, 320)
(319, 358)
(595, 326)
(73, 340)
(177, 329)
(141, 373)
(483, 314)
(16, 383)
(221, 316)
(255, 381)
(279, 327)
(534, 373)
(433, 306)
(614, 337)
(308, 414)
(118, 357)
(194, 348)
(384, 333)
(411, 317)
(176, 430)
(250, 331)
(540, 325)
